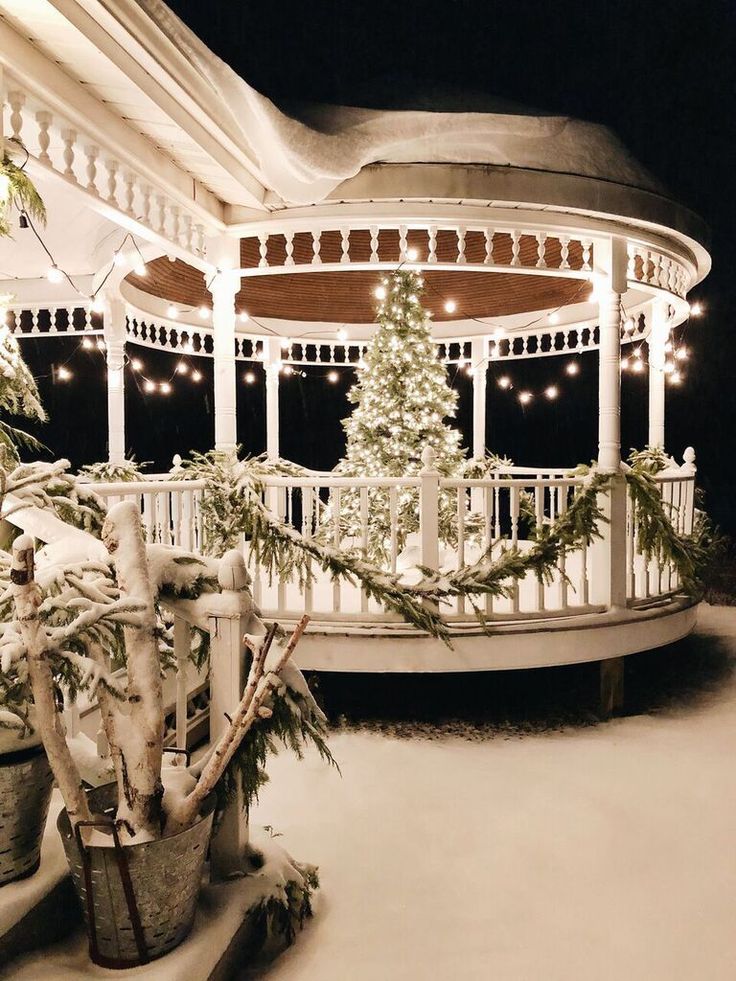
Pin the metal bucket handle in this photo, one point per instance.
(127, 884)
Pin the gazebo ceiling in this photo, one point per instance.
(347, 296)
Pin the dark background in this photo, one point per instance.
(662, 76)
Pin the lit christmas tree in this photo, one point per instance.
(402, 401)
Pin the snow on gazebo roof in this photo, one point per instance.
(305, 154)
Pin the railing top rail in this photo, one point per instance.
(332, 481)
(494, 482)
(126, 488)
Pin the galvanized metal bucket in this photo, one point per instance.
(139, 901)
(25, 791)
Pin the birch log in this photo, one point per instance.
(247, 713)
(140, 740)
(27, 599)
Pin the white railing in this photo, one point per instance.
(652, 577)
(453, 523)
(169, 508)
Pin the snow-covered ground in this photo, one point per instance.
(602, 852)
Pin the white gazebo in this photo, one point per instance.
(194, 217)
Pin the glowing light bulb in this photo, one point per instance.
(668, 347)
(150, 386)
(696, 309)
(342, 334)
(196, 376)
(572, 368)
(470, 370)
(182, 367)
(140, 268)
(54, 274)
(637, 354)
(525, 397)
(668, 367)
(553, 318)
(681, 354)
(100, 344)
(136, 364)
(244, 318)
(249, 378)
(333, 377)
(63, 374)
(551, 391)
(87, 344)
(412, 255)
(504, 382)
(165, 388)
(285, 343)
(624, 364)
(204, 312)
(380, 292)
(450, 306)
(172, 311)
(675, 378)
(188, 348)
(638, 367)
(629, 325)
(97, 305)
(118, 259)
(287, 369)
(499, 334)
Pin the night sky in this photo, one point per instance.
(662, 76)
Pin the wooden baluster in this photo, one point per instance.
(44, 121)
(539, 518)
(489, 508)
(541, 248)
(564, 252)
(69, 138)
(460, 497)
(129, 192)
(374, 243)
(432, 242)
(515, 247)
(345, 245)
(186, 530)
(488, 238)
(460, 233)
(182, 650)
(364, 541)
(336, 542)
(402, 243)
(562, 496)
(515, 501)
(393, 519)
(289, 239)
(16, 101)
(112, 181)
(91, 153)
(316, 245)
(263, 249)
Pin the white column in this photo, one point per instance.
(272, 352)
(610, 284)
(479, 361)
(224, 288)
(660, 329)
(114, 334)
(610, 262)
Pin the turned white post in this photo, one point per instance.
(479, 362)
(658, 335)
(429, 491)
(611, 263)
(224, 288)
(114, 333)
(272, 362)
(228, 622)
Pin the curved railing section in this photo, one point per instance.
(458, 521)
